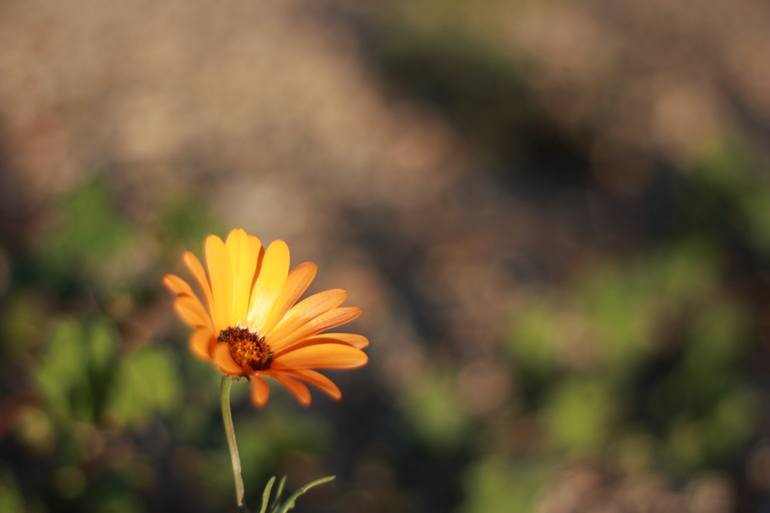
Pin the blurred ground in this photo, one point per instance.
(556, 217)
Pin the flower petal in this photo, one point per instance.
(270, 282)
(196, 269)
(225, 361)
(351, 339)
(244, 253)
(325, 321)
(260, 391)
(304, 311)
(201, 342)
(298, 389)
(221, 274)
(191, 311)
(321, 356)
(298, 281)
(177, 285)
(319, 381)
(182, 289)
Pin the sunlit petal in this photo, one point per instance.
(177, 285)
(298, 281)
(351, 339)
(220, 271)
(321, 356)
(244, 253)
(191, 311)
(196, 269)
(323, 322)
(270, 282)
(303, 312)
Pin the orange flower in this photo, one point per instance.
(254, 325)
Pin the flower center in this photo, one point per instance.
(247, 349)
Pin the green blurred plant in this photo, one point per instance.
(11, 500)
(495, 483)
(84, 376)
(587, 358)
(431, 408)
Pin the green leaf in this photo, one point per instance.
(63, 368)
(279, 492)
(91, 231)
(432, 411)
(146, 383)
(11, 499)
(103, 345)
(290, 502)
(497, 483)
(579, 415)
(266, 495)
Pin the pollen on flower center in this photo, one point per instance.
(247, 349)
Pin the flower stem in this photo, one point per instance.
(235, 459)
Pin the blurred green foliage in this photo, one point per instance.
(588, 358)
(137, 398)
(497, 484)
(10, 497)
(431, 409)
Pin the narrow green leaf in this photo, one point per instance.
(279, 493)
(266, 495)
(286, 506)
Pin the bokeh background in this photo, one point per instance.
(556, 216)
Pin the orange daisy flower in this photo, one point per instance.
(254, 325)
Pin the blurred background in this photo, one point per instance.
(556, 216)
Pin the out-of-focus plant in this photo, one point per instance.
(431, 409)
(587, 359)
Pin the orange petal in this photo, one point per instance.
(177, 285)
(191, 311)
(325, 321)
(243, 252)
(303, 312)
(201, 343)
(298, 281)
(319, 381)
(221, 274)
(225, 361)
(260, 391)
(351, 339)
(269, 284)
(321, 356)
(298, 389)
(195, 267)
(182, 289)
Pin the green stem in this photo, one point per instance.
(235, 459)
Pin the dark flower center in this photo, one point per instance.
(247, 349)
